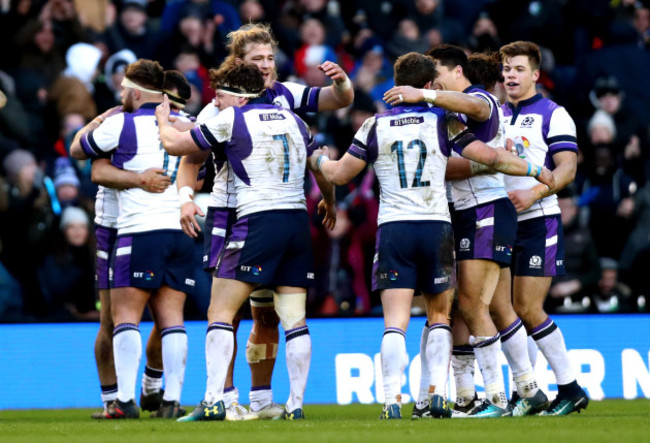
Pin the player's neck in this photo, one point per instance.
(529, 94)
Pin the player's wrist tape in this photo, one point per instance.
(344, 85)
(185, 194)
(321, 159)
(429, 95)
(536, 172)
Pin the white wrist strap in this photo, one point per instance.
(429, 95)
(185, 194)
(344, 85)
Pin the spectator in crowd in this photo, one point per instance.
(132, 31)
(581, 261)
(108, 89)
(312, 53)
(66, 276)
(407, 38)
(611, 294)
(26, 225)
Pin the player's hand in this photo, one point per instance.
(333, 71)
(522, 198)
(510, 147)
(403, 94)
(112, 111)
(154, 180)
(329, 212)
(190, 226)
(162, 111)
(546, 177)
(323, 150)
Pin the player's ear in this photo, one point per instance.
(535, 75)
(428, 85)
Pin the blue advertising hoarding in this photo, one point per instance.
(53, 366)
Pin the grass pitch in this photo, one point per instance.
(605, 421)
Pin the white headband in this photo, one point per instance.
(126, 83)
(237, 92)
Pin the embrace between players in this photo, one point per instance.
(257, 242)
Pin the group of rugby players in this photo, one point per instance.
(445, 130)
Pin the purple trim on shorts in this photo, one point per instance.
(550, 252)
(484, 236)
(227, 267)
(217, 243)
(122, 266)
(105, 240)
(375, 264)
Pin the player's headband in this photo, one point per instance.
(237, 92)
(126, 83)
(179, 102)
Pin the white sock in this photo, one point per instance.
(260, 397)
(393, 362)
(174, 353)
(514, 343)
(462, 361)
(127, 351)
(219, 345)
(109, 393)
(425, 375)
(439, 346)
(532, 351)
(230, 396)
(550, 340)
(487, 350)
(152, 380)
(298, 344)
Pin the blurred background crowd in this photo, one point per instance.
(63, 60)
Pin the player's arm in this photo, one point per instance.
(340, 94)
(474, 107)
(461, 169)
(76, 149)
(337, 172)
(566, 165)
(105, 174)
(174, 141)
(186, 179)
(502, 161)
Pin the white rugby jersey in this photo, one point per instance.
(267, 148)
(106, 207)
(481, 189)
(287, 95)
(539, 128)
(409, 146)
(133, 141)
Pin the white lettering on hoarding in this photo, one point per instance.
(635, 372)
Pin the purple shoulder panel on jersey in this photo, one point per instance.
(488, 129)
(127, 147)
(240, 145)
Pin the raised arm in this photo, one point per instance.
(340, 94)
(173, 140)
(337, 172)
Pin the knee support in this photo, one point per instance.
(263, 341)
(290, 308)
(262, 298)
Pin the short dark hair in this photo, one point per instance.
(484, 69)
(176, 80)
(449, 56)
(414, 69)
(246, 77)
(529, 49)
(146, 73)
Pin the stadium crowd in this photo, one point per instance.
(63, 62)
